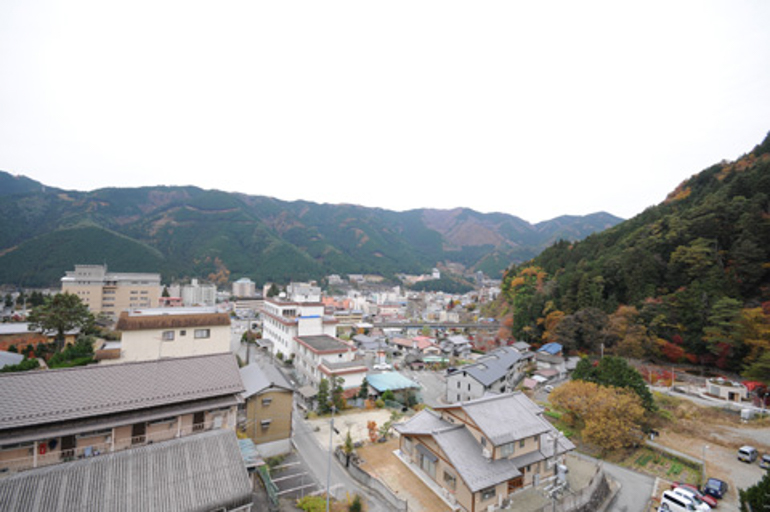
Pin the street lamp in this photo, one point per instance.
(705, 447)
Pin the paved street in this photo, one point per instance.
(316, 458)
(635, 488)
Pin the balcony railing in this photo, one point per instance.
(47, 457)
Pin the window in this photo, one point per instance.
(450, 481)
(521, 443)
(202, 333)
(266, 402)
(507, 449)
(183, 333)
(488, 493)
(265, 424)
(408, 445)
(168, 336)
(483, 441)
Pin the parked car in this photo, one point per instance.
(548, 388)
(764, 462)
(747, 454)
(700, 505)
(382, 366)
(672, 502)
(709, 500)
(715, 487)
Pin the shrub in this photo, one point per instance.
(355, 506)
(312, 503)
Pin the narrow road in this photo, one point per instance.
(317, 459)
(635, 488)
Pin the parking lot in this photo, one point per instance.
(293, 479)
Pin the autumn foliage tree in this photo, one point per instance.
(606, 416)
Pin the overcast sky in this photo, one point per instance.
(537, 108)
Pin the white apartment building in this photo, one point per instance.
(244, 288)
(324, 357)
(112, 292)
(303, 292)
(283, 321)
(196, 294)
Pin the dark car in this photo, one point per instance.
(709, 500)
(715, 487)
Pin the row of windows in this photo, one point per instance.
(198, 334)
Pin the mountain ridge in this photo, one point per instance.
(192, 232)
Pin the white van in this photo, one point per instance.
(672, 502)
(748, 454)
(700, 505)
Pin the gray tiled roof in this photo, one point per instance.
(466, 457)
(493, 366)
(423, 423)
(507, 417)
(196, 473)
(47, 396)
(258, 378)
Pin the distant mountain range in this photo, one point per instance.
(189, 232)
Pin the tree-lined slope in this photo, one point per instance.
(688, 279)
(187, 231)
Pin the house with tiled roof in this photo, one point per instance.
(53, 416)
(482, 452)
(197, 473)
(148, 334)
(265, 414)
(496, 372)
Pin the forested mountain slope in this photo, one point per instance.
(189, 232)
(687, 279)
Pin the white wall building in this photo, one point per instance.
(303, 292)
(196, 294)
(244, 288)
(282, 321)
(150, 334)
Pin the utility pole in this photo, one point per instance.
(329, 469)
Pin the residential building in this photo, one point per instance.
(54, 416)
(483, 451)
(18, 334)
(303, 292)
(552, 365)
(326, 357)
(457, 346)
(244, 288)
(265, 414)
(403, 389)
(172, 332)
(285, 320)
(112, 292)
(553, 348)
(202, 472)
(197, 294)
(498, 372)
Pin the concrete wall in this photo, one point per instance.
(149, 345)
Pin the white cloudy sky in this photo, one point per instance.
(536, 108)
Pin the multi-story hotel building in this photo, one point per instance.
(112, 292)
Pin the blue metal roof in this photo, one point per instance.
(551, 348)
(389, 381)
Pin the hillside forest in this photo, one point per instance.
(684, 281)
